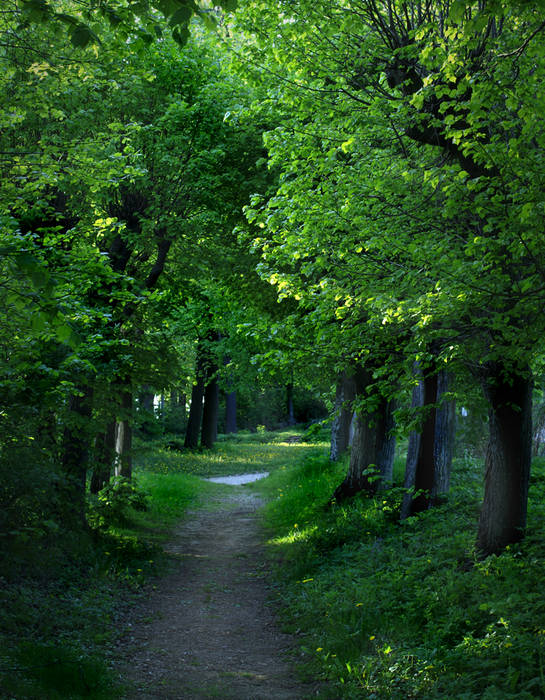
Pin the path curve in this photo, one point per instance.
(207, 630)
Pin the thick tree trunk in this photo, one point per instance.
(429, 453)
(231, 412)
(420, 471)
(104, 457)
(76, 448)
(123, 441)
(340, 428)
(373, 448)
(503, 514)
(352, 429)
(445, 433)
(209, 432)
(289, 404)
(195, 408)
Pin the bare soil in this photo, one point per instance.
(208, 630)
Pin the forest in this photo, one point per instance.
(297, 237)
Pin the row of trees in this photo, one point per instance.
(392, 216)
(123, 177)
(406, 223)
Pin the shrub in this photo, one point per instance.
(114, 503)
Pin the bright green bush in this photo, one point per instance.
(115, 502)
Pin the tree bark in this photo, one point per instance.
(429, 453)
(340, 428)
(209, 431)
(420, 470)
(123, 442)
(104, 457)
(289, 404)
(373, 448)
(508, 457)
(231, 412)
(195, 408)
(76, 448)
(445, 433)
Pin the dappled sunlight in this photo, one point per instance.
(226, 458)
(297, 534)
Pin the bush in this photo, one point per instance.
(114, 503)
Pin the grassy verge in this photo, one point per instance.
(63, 595)
(389, 610)
(63, 598)
(242, 453)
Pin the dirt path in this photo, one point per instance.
(207, 631)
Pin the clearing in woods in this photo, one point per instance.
(207, 630)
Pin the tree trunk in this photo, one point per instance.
(420, 472)
(104, 457)
(162, 407)
(373, 448)
(340, 428)
(289, 404)
(231, 412)
(352, 429)
(123, 442)
(210, 411)
(508, 457)
(76, 448)
(445, 433)
(429, 453)
(195, 408)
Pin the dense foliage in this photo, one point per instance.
(307, 208)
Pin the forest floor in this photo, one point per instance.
(207, 629)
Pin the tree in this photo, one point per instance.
(437, 86)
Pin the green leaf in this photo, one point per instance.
(180, 35)
(181, 16)
(82, 36)
(229, 5)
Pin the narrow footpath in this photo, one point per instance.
(207, 630)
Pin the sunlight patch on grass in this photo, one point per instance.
(295, 535)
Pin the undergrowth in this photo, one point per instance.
(64, 593)
(390, 610)
(242, 453)
(63, 598)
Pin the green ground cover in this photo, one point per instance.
(242, 453)
(381, 610)
(389, 610)
(63, 594)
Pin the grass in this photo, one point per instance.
(239, 454)
(406, 611)
(61, 597)
(63, 594)
(381, 609)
